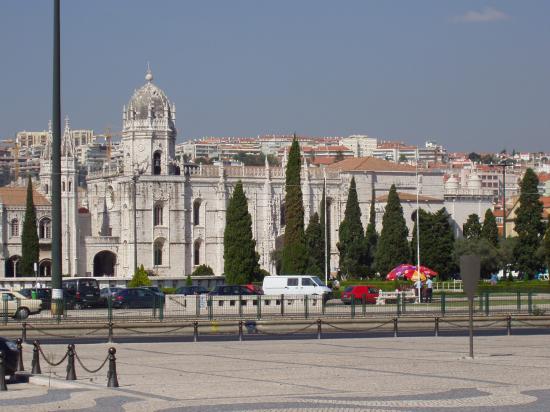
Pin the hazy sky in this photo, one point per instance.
(472, 75)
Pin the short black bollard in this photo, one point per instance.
(112, 378)
(36, 358)
(20, 366)
(395, 327)
(509, 325)
(195, 331)
(318, 328)
(110, 338)
(71, 372)
(240, 331)
(24, 332)
(436, 328)
(3, 386)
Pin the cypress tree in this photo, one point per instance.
(239, 247)
(326, 247)
(472, 228)
(393, 247)
(529, 226)
(371, 237)
(352, 238)
(314, 242)
(294, 260)
(489, 231)
(29, 237)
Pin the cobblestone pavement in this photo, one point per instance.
(508, 373)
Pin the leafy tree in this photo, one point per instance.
(140, 278)
(546, 248)
(529, 226)
(474, 157)
(204, 160)
(488, 159)
(436, 242)
(488, 253)
(339, 156)
(203, 270)
(472, 228)
(188, 281)
(29, 237)
(239, 247)
(393, 247)
(489, 229)
(402, 158)
(314, 243)
(352, 244)
(371, 237)
(294, 248)
(326, 247)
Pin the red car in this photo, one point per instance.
(369, 292)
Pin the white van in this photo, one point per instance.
(295, 285)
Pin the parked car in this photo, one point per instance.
(231, 290)
(109, 291)
(155, 289)
(257, 290)
(358, 292)
(10, 355)
(44, 294)
(82, 292)
(18, 306)
(295, 285)
(191, 290)
(137, 298)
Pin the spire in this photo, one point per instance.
(67, 144)
(47, 152)
(149, 74)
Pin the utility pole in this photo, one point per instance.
(57, 291)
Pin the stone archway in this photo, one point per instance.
(45, 268)
(104, 263)
(12, 267)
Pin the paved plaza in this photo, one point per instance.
(509, 373)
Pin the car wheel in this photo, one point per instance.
(125, 306)
(78, 306)
(22, 313)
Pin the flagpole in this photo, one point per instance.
(326, 237)
(418, 231)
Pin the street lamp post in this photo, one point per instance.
(504, 164)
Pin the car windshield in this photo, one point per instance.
(318, 281)
(348, 289)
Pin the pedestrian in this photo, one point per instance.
(418, 289)
(429, 290)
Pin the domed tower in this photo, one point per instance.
(149, 130)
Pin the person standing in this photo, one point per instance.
(429, 290)
(418, 289)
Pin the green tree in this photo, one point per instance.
(140, 278)
(239, 247)
(546, 248)
(436, 242)
(489, 230)
(393, 247)
(472, 228)
(294, 248)
(326, 246)
(29, 237)
(371, 237)
(314, 243)
(474, 157)
(488, 253)
(352, 244)
(203, 270)
(188, 281)
(529, 226)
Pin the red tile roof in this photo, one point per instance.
(371, 164)
(409, 197)
(17, 196)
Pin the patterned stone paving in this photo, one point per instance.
(508, 374)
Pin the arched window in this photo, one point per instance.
(197, 253)
(46, 189)
(157, 215)
(14, 228)
(157, 252)
(156, 163)
(196, 212)
(70, 185)
(45, 228)
(282, 221)
(63, 186)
